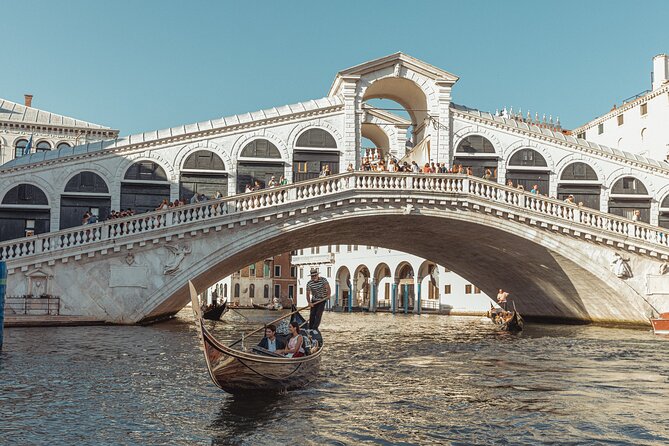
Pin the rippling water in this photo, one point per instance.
(385, 380)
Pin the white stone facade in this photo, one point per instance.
(350, 270)
(639, 125)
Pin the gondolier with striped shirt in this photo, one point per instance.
(318, 289)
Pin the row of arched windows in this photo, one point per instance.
(41, 146)
(527, 168)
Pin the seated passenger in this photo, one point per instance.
(294, 349)
(270, 341)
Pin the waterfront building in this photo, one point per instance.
(639, 124)
(373, 278)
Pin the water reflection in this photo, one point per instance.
(385, 380)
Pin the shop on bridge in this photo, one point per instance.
(478, 153)
(314, 149)
(144, 187)
(259, 160)
(580, 180)
(528, 167)
(24, 212)
(84, 192)
(203, 172)
(629, 194)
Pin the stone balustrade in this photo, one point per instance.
(462, 187)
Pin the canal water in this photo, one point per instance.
(399, 380)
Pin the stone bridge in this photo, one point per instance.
(558, 260)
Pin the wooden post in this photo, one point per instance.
(3, 283)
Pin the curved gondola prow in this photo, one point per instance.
(199, 326)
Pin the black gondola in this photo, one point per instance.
(506, 320)
(214, 312)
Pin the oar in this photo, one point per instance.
(239, 313)
(277, 320)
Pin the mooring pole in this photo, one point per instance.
(3, 283)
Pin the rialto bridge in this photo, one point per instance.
(121, 271)
(561, 260)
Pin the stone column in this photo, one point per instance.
(352, 294)
(405, 293)
(441, 145)
(352, 125)
(336, 294)
(374, 297)
(418, 285)
(393, 299)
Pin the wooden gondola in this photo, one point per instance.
(214, 312)
(510, 321)
(238, 371)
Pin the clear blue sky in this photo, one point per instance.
(145, 65)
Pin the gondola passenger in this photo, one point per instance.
(295, 348)
(270, 341)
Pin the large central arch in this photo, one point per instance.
(545, 272)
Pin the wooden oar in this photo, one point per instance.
(277, 320)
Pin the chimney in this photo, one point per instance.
(660, 70)
(28, 100)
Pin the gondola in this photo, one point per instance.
(510, 321)
(240, 371)
(214, 312)
(266, 307)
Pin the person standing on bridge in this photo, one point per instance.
(318, 289)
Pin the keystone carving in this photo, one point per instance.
(620, 267)
(664, 268)
(178, 254)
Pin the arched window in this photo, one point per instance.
(144, 187)
(663, 221)
(204, 160)
(25, 194)
(528, 167)
(580, 180)
(475, 144)
(528, 158)
(316, 138)
(24, 212)
(43, 146)
(145, 171)
(87, 182)
(20, 147)
(259, 161)
(628, 195)
(236, 290)
(260, 148)
(477, 152)
(203, 172)
(265, 292)
(63, 145)
(225, 290)
(578, 171)
(252, 290)
(629, 186)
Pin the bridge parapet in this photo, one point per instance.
(596, 225)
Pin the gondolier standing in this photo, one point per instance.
(318, 288)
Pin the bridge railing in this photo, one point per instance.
(461, 185)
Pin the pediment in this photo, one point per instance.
(402, 60)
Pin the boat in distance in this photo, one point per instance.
(661, 324)
(239, 371)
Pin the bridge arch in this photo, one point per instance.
(412, 91)
(527, 166)
(663, 212)
(361, 286)
(252, 166)
(189, 149)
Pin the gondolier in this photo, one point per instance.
(318, 289)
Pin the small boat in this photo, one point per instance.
(506, 320)
(215, 311)
(267, 307)
(661, 324)
(236, 370)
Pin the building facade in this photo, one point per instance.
(371, 278)
(639, 124)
